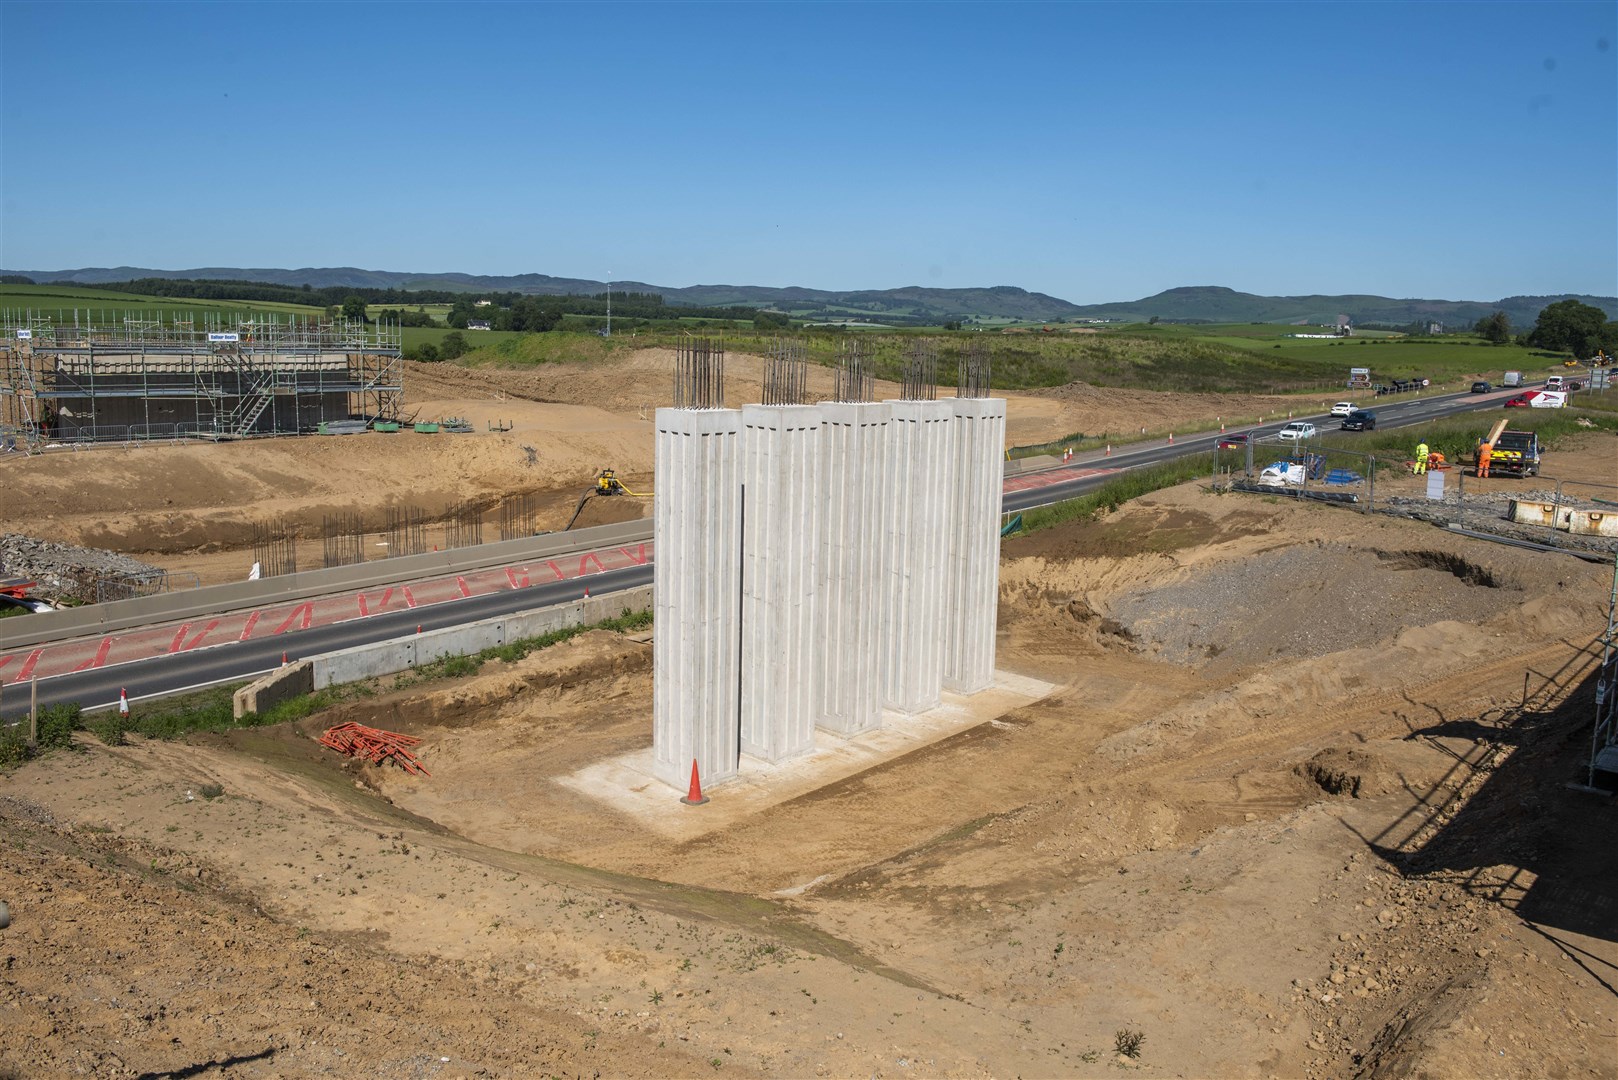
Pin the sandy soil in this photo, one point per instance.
(1292, 810)
(192, 508)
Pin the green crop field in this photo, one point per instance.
(100, 305)
(437, 311)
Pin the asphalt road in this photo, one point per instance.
(241, 660)
(1391, 412)
(98, 687)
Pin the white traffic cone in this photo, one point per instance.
(123, 702)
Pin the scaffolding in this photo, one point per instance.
(133, 377)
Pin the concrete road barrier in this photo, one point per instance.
(264, 694)
(402, 654)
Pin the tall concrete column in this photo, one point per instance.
(696, 595)
(854, 478)
(780, 534)
(921, 468)
(979, 433)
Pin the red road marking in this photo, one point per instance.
(638, 556)
(305, 609)
(465, 592)
(252, 621)
(511, 576)
(179, 637)
(28, 666)
(590, 557)
(100, 657)
(4, 660)
(410, 599)
(204, 632)
(364, 611)
(557, 570)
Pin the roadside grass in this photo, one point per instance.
(457, 667)
(1600, 401)
(1118, 491)
(212, 709)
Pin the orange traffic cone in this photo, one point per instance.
(123, 702)
(694, 797)
(283, 659)
(587, 596)
(1109, 449)
(1171, 436)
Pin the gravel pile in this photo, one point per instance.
(1488, 513)
(1304, 601)
(66, 571)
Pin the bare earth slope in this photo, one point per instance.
(1274, 836)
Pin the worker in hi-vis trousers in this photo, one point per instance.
(1485, 452)
(1421, 458)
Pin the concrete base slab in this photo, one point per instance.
(625, 783)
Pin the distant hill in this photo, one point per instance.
(911, 304)
(1214, 303)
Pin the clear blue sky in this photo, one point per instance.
(1096, 152)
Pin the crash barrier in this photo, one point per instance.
(403, 653)
(213, 599)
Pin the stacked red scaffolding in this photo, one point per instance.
(374, 745)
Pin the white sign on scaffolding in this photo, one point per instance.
(25, 335)
(224, 337)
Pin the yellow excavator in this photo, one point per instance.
(606, 483)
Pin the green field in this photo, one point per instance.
(1229, 358)
(99, 305)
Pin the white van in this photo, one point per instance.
(1554, 382)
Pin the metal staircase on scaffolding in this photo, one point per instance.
(255, 391)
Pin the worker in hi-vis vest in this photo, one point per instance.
(1421, 457)
(1485, 452)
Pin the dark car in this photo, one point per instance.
(1359, 420)
(1234, 441)
(1482, 387)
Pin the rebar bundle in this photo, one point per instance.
(517, 517)
(975, 372)
(464, 528)
(274, 549)
(854, 381)
(344, 536)
(699, 374)
(919, 372)
(407, 534)
(786, 373)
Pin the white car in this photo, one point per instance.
(1298, 429)
(1342, 408)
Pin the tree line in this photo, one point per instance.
(512, 310)
(1565, 326)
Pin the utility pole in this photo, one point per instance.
(609, 303)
